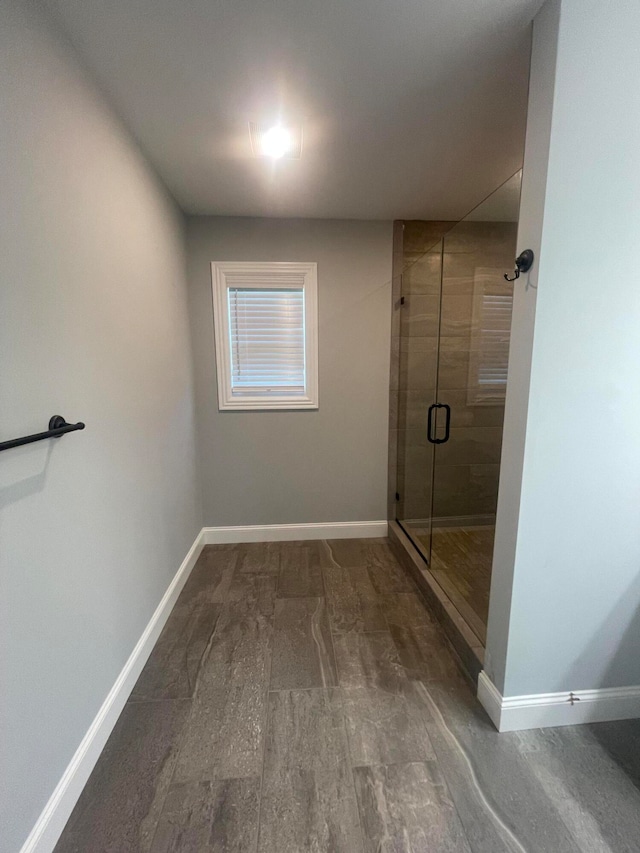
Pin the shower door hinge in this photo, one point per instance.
(397, 496)
(402, 300)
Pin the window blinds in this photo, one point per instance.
(267, 340)
(493, 356)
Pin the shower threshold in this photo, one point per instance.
(461, 625)
(459, 554)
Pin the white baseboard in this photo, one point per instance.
(48, 828)
(292, 532)
(541, 710)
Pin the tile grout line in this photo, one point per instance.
(183, 733)
(205, 653)
(268, 692)
(342, 710)
(300, 689)
(326, 545)
(368, 631)
(324, 589)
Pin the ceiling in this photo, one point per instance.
(503, 205)
(411, 109)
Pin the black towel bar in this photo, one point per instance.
(57, 427)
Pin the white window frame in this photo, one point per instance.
(268, 274)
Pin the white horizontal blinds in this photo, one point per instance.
(267, 340)
(493, 355)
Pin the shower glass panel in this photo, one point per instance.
(450, 425)
(418, 342)
(475, 325)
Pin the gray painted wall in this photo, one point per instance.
(93, 326)
(574, 618)
(293, 467)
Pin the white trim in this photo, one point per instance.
(291, 532)
(265, 274)
(541, 710)
(48, 828)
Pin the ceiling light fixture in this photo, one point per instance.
(275, 141)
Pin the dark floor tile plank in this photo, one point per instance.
(345, 552)
(408, 609)
(211, 576)
(308, 798)
(406, 808)
(386, 573)
(621, 741)
(172, 669)
(300, 574)
(121, 803)
(303, 652)
(260, 557)
(352, 601)
(315, 546)
(386, 727)
(597, 800)
(253, 593)
(501, 804)
(368, 660)
(224, 735)
(535, 740)
(424, 654)
(210, 817)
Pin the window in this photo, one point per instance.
(265, 317)
(489, 360)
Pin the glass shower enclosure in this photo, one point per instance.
(454, 334)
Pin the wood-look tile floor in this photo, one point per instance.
(301, 698)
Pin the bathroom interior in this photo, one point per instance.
(450, 351)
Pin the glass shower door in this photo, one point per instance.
(453, 348)
(475, 324)
(418, 343)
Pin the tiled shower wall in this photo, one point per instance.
(466, 468)
(415, 271)
(396, 288)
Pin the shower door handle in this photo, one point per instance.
(447, 423)
(431, 436)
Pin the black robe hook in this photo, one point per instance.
(524, 262)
